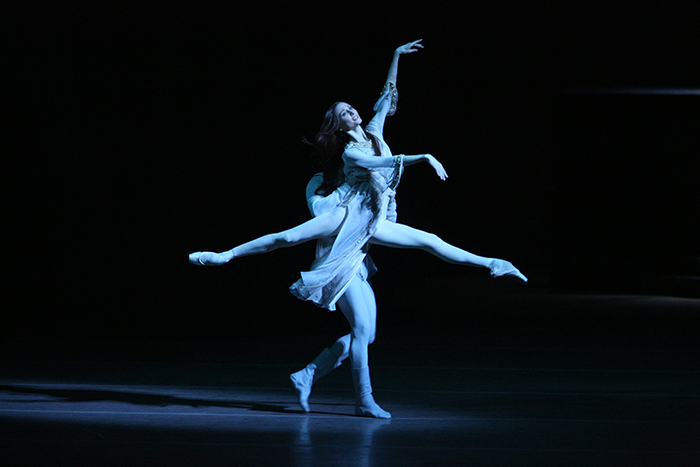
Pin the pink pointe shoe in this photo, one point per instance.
(207, 258)
(500, 268)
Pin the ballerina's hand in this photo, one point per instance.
(410, 47)
(439, 169)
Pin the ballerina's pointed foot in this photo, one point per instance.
(371, 409)
(302, 381)
(500, 268)
(207, 258)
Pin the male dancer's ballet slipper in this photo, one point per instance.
(500, 268)
(365, 406)
(302, 381)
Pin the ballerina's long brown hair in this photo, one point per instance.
(329, 144)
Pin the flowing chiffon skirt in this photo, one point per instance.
(338, 259)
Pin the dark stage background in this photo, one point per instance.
(142, 131)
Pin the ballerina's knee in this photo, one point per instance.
(284, 239)
(430, 242)
(371, 338)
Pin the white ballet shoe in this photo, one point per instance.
(364, 402)
(208, 258)
(371, 409)
(194, 258)
(500, 268)
(302, 381)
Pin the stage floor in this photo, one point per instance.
(536, 396)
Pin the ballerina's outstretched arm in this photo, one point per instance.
(373, 162)
(408, 48)
(325, 225)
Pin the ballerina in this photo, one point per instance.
(360, 177)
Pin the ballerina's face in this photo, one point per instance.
(349, 118)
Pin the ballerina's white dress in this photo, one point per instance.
(368, 198)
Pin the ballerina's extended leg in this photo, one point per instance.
(325, 225)
(403, 236)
